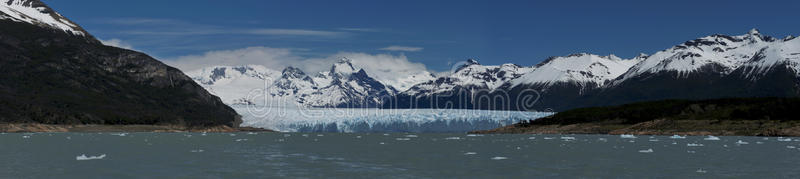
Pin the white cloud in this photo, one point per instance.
(401, 48)
(116, 43)
(387, 68)
(294, 32)
(274, 58)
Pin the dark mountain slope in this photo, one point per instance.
(49, 76)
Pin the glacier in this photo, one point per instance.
(349, 120)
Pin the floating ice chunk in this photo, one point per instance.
(690, 151)
(499, 158)
(470, 153)
(358, 137)
(677, 137)
(240, 140)
(653, 140)
(646, 151)
(69, 138)
(627, 136)
(759, 142)
(382, 143)
(26, 137)
(532, 138)
(285, 135)
(411, 135)
(402, 139)
(674, 143)
(790, 147)
(197, 151)
(386, 134)
(452, 138)
(694, 145)
(474, 135)
(784, 139)
(251, 133)
(84, 157)
(711, 137)
(304, 135)
(568, 138)
(740, 142)
(602, 139)
(320, 135)
(120, 134)
(701, 171)
(548, 138)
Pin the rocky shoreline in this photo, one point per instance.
(35, 127)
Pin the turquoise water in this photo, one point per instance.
(393, 155)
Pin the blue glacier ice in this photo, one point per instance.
(286, 119)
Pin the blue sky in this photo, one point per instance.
(434, 33)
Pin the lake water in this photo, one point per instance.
(392, 155)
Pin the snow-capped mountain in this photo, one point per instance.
(716, 66)
(721, 53)
(582, 69)
(37, 13)
(709, 67)
(470, 75)
(342, 86)
(233, 84)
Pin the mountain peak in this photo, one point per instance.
(343, 67)
(292, 72)
(37, 13)
(472, 62)
(754, 31)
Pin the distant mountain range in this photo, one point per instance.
(716, 66)
(54, 72)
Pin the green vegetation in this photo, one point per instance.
(730, 116)
(714, 109)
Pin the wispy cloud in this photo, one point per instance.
(117, 43)
(402, 48)
(358, 29)
(135, 21)
(295, 32)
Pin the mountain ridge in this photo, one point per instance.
(713, 66)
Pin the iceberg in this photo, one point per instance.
(84, 157)
(288, 119)
(694, 145)
(646, 151)
(627, 136)
(499, 158)
(711, 137)
(677, 137)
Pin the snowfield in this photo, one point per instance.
(378, 120)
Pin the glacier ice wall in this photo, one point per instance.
(378, 120)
